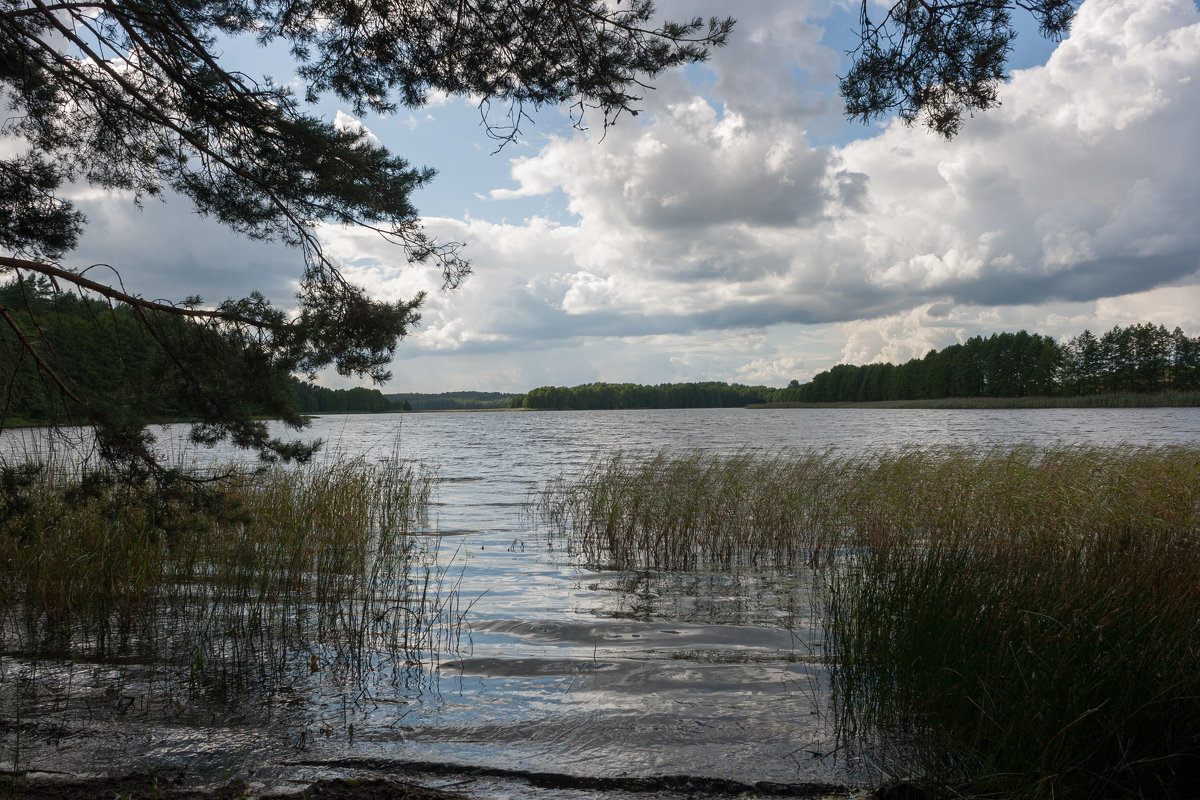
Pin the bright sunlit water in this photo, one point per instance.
(564, 670)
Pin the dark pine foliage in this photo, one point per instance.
(131, 95)
(939, 59)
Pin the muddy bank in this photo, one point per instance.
(438, 782)
(165, 787)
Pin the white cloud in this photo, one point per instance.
(346, 123)
(702, 230)
(1055, 195)
(770, 371)
(719, 214)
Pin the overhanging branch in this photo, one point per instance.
(58, 273)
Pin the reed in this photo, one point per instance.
(676, 511)
(1032, 631)
(235, 581)
(1003, 622)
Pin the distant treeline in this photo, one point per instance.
(112, 360)
(313, 399)
(630, 395)
(1139, 359)
(455, 401)
(1142, 358)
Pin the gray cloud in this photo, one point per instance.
(775, 66)
(1109, 277)
(165, 251)
(714, 213)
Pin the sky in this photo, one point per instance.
(740, 229)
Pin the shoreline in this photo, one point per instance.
(1162, 400)
(410, 785)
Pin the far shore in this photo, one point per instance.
(1163, 400)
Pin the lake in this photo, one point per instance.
(593, 674)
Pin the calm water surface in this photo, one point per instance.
(564, 670)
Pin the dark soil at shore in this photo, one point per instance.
(156, 787)
(152, 786)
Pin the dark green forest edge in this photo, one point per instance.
(1142, 364)
(1140, 359)
(455, 401)
(115, 361)
(629, 395)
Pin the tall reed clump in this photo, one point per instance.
(1001, 622)
(231, 581)
(1025, 623)
(674, 511)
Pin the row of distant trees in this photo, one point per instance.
(454, 401)
(632, 395)
(313, 399)
(1141, 358)
(114, 361)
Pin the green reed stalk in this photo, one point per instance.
(1002, 622)
(683, 511)
(239, 581)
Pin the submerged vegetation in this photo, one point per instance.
(234, 582)
(1012, 622)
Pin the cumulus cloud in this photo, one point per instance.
(719, 214)
(714, 237)
(1081, 186)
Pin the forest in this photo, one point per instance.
(115, 362)
(454, 401)
(1139, 359)
(709, 394)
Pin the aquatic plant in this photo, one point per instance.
(235, 580)
(1006, 622)
(674, 511)
(1024, 624)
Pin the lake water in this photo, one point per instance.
(565, 670)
